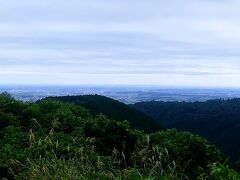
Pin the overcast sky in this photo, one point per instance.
(156, 42)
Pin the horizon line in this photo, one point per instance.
(122, 85)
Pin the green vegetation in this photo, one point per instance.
(52, 139)
(113, 109)
(216, 120)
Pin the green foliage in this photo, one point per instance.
(113, 109)
(13, 145)
(6, 99)
(109, 134)
(216, 120)
(52, 139)
(221, 172)
(191, 152)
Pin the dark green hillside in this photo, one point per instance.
(114, 110)
(216, 120)
(53, 139)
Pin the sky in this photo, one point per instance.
(130, 42)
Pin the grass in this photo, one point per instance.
(46, 163)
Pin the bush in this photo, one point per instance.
(57, 140)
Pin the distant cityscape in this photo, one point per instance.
(126, 94)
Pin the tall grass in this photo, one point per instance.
(47, 163)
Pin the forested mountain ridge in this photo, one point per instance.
(52, 139)
(113, 109)
(216, 120)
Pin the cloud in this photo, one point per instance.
(134, 42)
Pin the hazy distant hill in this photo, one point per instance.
(125, 94)
(217, 120)
(114, 110)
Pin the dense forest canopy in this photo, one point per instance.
(216, 120)
(52, 139)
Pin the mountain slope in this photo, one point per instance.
(216, 120)
(114, 110)
(51, 139)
